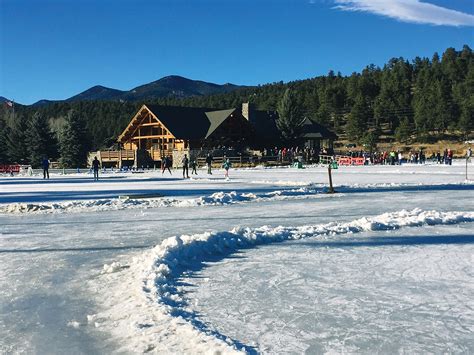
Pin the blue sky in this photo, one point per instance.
(54, 49)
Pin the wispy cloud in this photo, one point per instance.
(413, 11)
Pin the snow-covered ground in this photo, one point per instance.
(265, 262)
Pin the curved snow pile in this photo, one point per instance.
(145, 308)
(216, 199)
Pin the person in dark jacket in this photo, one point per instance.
(95, 168)
(209, 163)
(166, 164)
(193, 167)
(185, 163)
(45, 165)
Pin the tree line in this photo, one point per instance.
(409, 100)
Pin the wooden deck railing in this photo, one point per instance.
(116, 155)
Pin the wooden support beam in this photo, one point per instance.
(153, 124)
(152, 136)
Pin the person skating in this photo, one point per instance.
(166, 165)
(185, 163)
(209, 163)
(45, 165)
(95, 168)
(194, 167)
(450, 157)
(226, 167)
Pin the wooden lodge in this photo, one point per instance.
(158, 131)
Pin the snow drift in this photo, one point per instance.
(146, 309)
(215, 199)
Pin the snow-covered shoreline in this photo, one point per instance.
(216, 199)
(144, 295)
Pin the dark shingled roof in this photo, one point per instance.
(264, 123)
(315, 130)
(190, 122)
(183, 122)
(265, 126)
(199, 123)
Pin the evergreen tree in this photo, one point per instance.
(4, 158)
(290, 118)
(357, 122)
(40, 139)
(369, 140)
(323, 115)
(403, 131)
(425, 101)
(17, 142)
(466, 121)
(73, 140)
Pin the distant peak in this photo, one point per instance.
(174, 77)
(100, 87)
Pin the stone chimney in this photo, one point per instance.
(246, 110)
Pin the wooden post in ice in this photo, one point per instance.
(467, 160)
(331, 189)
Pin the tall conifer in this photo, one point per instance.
(73, 145)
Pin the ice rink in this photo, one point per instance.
(264, 262)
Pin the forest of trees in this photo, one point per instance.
(409, 101)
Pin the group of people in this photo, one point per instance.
(397, 157)
(45, 163)
(384, 158)
(186, 163)
(291, 154)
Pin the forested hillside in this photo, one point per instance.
(408, 100)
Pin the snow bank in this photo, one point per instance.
(216, 199)
(146, 310)
(306, 190)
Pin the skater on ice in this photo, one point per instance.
(193, 167)
(209, 163)
(45, 165)
(226, 167)
(95, 168)
(166, 164)
(185, 163)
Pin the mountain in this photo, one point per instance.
(177, 86)
(98, 92)
(173, 85)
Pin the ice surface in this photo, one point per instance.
(404, 291)
(56, 296)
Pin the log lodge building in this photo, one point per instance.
(158, 131)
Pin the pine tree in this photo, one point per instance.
(40, 139)
(3, 141)
(403, 131)
(290, 117)
(369, 140)
(466, 121)
(357, 122)
(425, 101)
(16, 141)
(73, 144)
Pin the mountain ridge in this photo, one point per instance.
(171, 85)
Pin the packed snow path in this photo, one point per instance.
(56, 298)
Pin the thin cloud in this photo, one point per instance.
(413, 11)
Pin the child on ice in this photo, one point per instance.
(226, 167)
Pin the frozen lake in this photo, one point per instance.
(383, 266)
